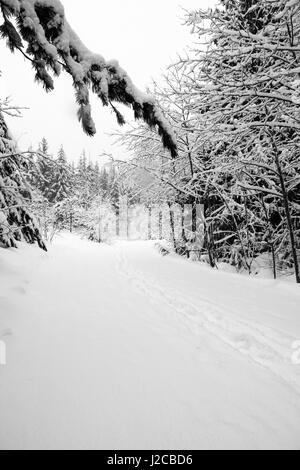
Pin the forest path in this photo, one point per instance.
(117, 347)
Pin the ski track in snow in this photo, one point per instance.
(269, 347)
(115, 347)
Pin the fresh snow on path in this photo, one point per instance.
(116, 347)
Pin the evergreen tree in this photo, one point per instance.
(16, 223)
(44, 147)
(44, 170)
(104, 182)
(82, 181)
(60, 187)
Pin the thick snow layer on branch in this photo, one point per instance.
(52, 43)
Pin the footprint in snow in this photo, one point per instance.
(19, 290)
(5, 332)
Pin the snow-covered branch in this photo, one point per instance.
(51, 42)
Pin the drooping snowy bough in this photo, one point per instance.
(53, 45)
(16, 222)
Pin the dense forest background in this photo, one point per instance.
(233, 103)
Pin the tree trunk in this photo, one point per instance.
(172, 225)
(71, 222)
(274, 261)
(160, 225)
(287, 211)
(149, 223)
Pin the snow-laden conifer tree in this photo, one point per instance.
(61, 179)
(16, 223)
(41, 171)
(51, 45)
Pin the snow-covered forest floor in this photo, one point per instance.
(119, 347)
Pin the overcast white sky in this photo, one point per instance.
(143, 35)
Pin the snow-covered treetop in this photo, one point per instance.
(53, 45)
